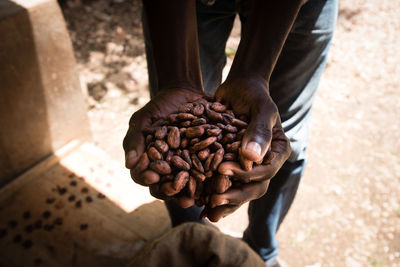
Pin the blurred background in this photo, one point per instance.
(347, 211)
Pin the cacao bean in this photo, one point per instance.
(198, 175)
(203, 154)
(181, 164)
(165, 178)
(174, 138)
(170, 154)
(221, 183)
(160, 167)
(185, 124)
(239, 123)
(216, 146)
(198, 109)
(197, 163)
(168, 189)
(218, 107)
(186, 116)
(191, 187)
(219, 156)
(154, 154)
(234, 146)
(180, 180)
(228, 138)
(208, 161)
(194, 141)
(214, 116)
(186, 156)
(230, 128)
(186, 108)
(182, 131)
(173, 118)
(199, 121)
(213, 132)
(230, 112)
(194, 131)
(205, 143)
(230, 157)
(184, 142)
(161, 132)
(161, 145)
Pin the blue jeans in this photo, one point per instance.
(293, 85)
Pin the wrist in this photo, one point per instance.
(247, 80)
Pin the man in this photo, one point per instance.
(273, 79)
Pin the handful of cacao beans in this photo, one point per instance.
(187, 147)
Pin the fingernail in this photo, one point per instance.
(223, 202)
(254, 147)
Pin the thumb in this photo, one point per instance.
(258, 136)
(134, 141)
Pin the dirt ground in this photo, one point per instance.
(347, 211)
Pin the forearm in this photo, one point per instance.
(264, 34)
(173, 35)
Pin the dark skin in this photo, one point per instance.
(173, 32)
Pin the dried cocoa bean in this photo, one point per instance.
(230, 128)
(198, 109)
(221, 183)
(166, 178)
(186, 156)
(197, 163)
(226, 118)
(168, 189)
(196, 131)
(154, 154)
(185, 124)
(174, 138)
(186, 116)
(230, 112)
(243, 117)
(234, 146)
(214, 132)
(194, 141)
(221, 125)
(161, 132)
(205, 143)
(173, 118)
(170, 154)
(214, 116)
(161, 146)
(182, 131)
(219, 156)
(143, 163)
(199, 121)
(218, 107)
(181, 164)
(184, 142)
(180, 180)
(228, 138)
(203, 154)
(239, 123)
(216, 146)
(198, 175)
(230, 157)
(160, 167)
(186, 108)
(208, 174)
(208, 161)
(191, 187)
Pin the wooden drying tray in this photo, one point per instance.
(76, 208)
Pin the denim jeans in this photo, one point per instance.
(293, 85)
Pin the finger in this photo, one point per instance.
(217, 213)
(258, 135)
(238, 196)
(146, 178)
(134, 143)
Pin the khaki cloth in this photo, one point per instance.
(194, 244)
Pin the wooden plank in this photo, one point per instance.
(72, 212)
